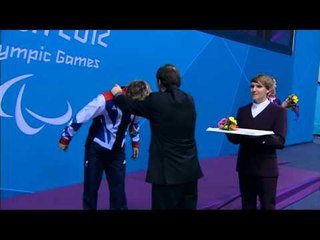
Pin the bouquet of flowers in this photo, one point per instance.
(292, 102)
(229, 123)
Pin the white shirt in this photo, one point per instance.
(257, 108)
(107, 123)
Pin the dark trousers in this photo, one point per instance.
(97, 161)
(177, 196)
(252, 187)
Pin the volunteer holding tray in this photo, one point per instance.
(257, 165)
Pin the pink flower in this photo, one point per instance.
(229, 123)
(222, 122)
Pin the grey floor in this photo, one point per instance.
(304, 156)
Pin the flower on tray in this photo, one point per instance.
(229, 123)
(292, 103)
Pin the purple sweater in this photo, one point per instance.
(257, 155)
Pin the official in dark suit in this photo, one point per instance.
(257, 158)
(173, 167)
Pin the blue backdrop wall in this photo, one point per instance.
(316, 126)
(47, 76)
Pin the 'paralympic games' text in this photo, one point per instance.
(41, 55)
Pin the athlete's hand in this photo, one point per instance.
(64, 143)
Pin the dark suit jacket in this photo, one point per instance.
(173, 157)
(257, 155)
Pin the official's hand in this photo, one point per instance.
(286, 103)
(116, 89)
(64, 143)
(135, 153)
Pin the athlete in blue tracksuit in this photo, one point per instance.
(105, 144)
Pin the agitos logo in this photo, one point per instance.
(20, 121)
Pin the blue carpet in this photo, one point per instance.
(311, 202)
(304, 156)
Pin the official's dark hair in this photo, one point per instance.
(138, 90)
(169, 75)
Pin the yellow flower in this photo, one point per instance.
(229, 123)
(292, 102)
(233, 121)
(294, 98)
